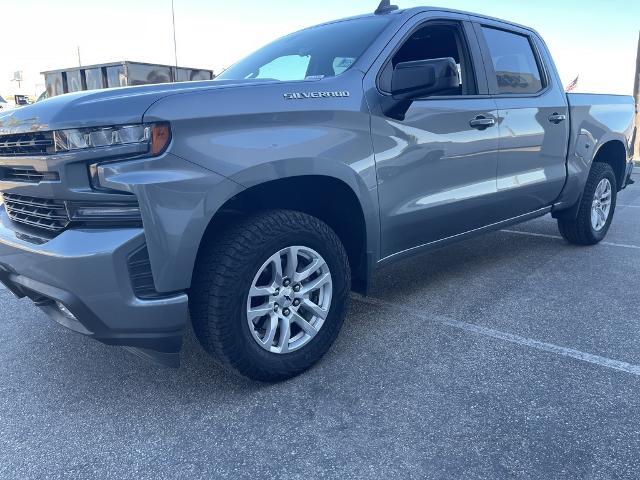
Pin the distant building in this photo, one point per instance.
(118, 74)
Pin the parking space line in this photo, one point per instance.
(558, 237)
(627, 206)
(508, 337)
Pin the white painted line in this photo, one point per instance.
(627, 206)
(558, 237)
(508, 337)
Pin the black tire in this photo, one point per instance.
(225, 270)
(580, 231)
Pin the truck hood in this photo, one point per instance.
(96, 108)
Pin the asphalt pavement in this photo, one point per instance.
(511, 355)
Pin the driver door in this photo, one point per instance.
(437, 166)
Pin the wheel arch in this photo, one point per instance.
(611, 149)
(335, 201)
(613, 152)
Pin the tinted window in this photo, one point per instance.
(514, 62)
(323, 51)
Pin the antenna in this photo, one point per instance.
(385, 7)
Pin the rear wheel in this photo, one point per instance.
(269, 294)
(596, 210)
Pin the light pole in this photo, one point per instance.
(636, 94)
(175, 45)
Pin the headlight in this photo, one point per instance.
(155, 137)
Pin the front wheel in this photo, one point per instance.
(596, 210)
(269, 294)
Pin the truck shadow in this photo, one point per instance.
(90, 370)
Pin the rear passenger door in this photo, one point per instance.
(533, 118)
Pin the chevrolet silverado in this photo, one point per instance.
(251, 205)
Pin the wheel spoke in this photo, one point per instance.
(261, 311)
(267, 340)
(315, 265)
(317, 310)
(262, 291)
(594, 217)
(316, 283)
(599, 189)
(292, 262)
(602, 216)
(285, 335)
(306, 326)
(276, 261)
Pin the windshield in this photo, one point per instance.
(324, 51)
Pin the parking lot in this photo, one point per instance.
(511, 355)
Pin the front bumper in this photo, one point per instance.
(86, 272)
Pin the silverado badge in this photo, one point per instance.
(309, 95)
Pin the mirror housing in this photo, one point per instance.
(419, 79)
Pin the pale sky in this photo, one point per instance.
(596, 39)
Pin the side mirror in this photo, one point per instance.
(422, 78)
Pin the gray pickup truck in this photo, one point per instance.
(251, 205)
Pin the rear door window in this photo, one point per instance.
(515, 65)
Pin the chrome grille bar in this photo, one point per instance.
(41, 213)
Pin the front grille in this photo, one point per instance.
(26, 175)
(141, 276)
(41, 213)
(33, 143)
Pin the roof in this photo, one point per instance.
(410, 12)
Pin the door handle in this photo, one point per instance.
(481, 122)
(557, 118)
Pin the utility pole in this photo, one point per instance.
(636, 94)
(175, 45)
(79, 61)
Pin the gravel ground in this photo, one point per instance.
(512, 355)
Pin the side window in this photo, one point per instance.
(435, 41)
(288, 67)
(514, 63)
